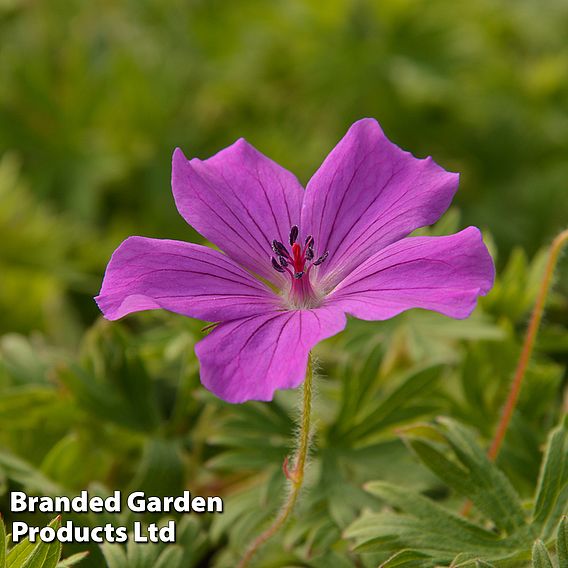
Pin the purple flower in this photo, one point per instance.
(295, 262)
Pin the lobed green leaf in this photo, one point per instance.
(469, 472)
(540, 556)
(552, 490)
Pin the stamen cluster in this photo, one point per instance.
(300, 261)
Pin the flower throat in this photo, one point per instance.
(298, 264)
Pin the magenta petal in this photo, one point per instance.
(239, 200)
(367, 194)
(251, 358)
(444, 274)
(189, 279)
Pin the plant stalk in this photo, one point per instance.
(526, 352)
(528, 345)
(295, 476)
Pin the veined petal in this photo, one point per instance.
(444, 274)
(249, 359)
(239, 200)
(367, 194)
(189, 279)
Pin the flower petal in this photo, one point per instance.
(189, 279)
(367, 194)
(444, 274)
(249, 359)
(239, 200)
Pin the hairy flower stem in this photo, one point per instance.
(295, 476)
(526, 352)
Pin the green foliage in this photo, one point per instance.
(3, 543)
(541, 556)
(39, 554)
(93, 99)
(504, 528)
(186, 553)
(126, 411)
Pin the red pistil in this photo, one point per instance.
(298, 263)
(298, 258)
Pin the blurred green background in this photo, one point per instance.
(94, 97)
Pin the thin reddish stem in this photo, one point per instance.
(528, 346)
(526, 352)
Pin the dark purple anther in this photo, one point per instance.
(280, 249)
(293, 234)
(276, 266)
(296, 262)
(321, 258)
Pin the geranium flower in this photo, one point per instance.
(296, 261)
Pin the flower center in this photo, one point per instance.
(298, 264)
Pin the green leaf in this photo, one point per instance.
(73, 461)
(114, 554)
(103, 401)
(3, 543)
(37, 558)
(161, 471)
(468, 471)
(24, 473)
(72, 560)
(357, 375)
(449, 531)
(45, 554)
(540, 556)
(19, 553)
(390, 409)
(171, 557)
(332, 558)
(408, 559)
(465, 560)
(21, 360)
(53, 555)
(562, 543)
(23, 406)
(551, 495)
(194, 541)
(141, 555)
